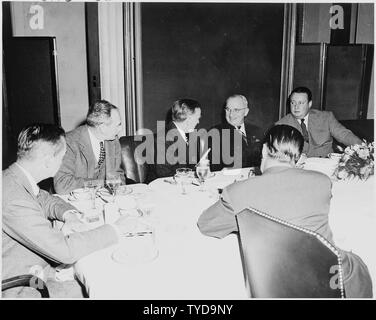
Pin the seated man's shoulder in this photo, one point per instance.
(256, 130)
(73, 136)
(321, 113)
(241, 187)
(76, 132)
(287, 119)
(315, 176)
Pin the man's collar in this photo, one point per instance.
(182, 133)
(276, 168)
(30, 178)
(92, 136)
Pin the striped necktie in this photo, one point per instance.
(304, 130)
(243, 134)
(102, 154)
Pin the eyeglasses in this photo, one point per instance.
(299, 103)
(235, 110)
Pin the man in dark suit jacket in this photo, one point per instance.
(301, 197)
(317, 127)
(173, 145)
(93, 150)
(240, 139)
(29, 242)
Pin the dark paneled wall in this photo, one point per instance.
(209, 51)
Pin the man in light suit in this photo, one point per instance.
(186, 114)
(301, 197)
(93, 150)
(317, 127)
(236, 110)
(30, 243)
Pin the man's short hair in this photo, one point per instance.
(182, 108)
(244, 99)
(302, 90)
(284, 143)
(99, 112)
(31, 135)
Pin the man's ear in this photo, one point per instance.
(310, 104)
(246, 112)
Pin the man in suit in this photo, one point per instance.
(298, 196)
(30, 243)
(173, 147)
(242, 139)
(93, 149)
(317, 127)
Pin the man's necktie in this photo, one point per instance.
(304, 130)
(186, 137)
(243, 134)
(102, 154)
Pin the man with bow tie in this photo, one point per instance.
(317, 127)
(93, 149)
(236, 109)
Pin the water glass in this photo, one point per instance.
(203, 172)
(183, 177)
(113, 182)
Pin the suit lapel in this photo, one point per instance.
(312, 119)
(87, 150)
(109, 160)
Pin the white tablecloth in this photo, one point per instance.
(353, 220)
(193, 266)
(189, 266)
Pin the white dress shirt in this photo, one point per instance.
(182, 133)
(305, 121)
(95, 144)
(242, 129)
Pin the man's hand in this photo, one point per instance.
(73, 222)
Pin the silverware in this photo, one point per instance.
(137, 234)
(103, 199)
(170, 182)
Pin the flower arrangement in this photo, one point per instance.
(357, 161)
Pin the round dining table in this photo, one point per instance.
(189, 265)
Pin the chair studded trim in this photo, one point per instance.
(315, 234)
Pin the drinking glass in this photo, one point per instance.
(113, 182)
(183, 177)
(93, 186)
(202, 171)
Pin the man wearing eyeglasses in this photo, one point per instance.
(317, 127)
(236, 109)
